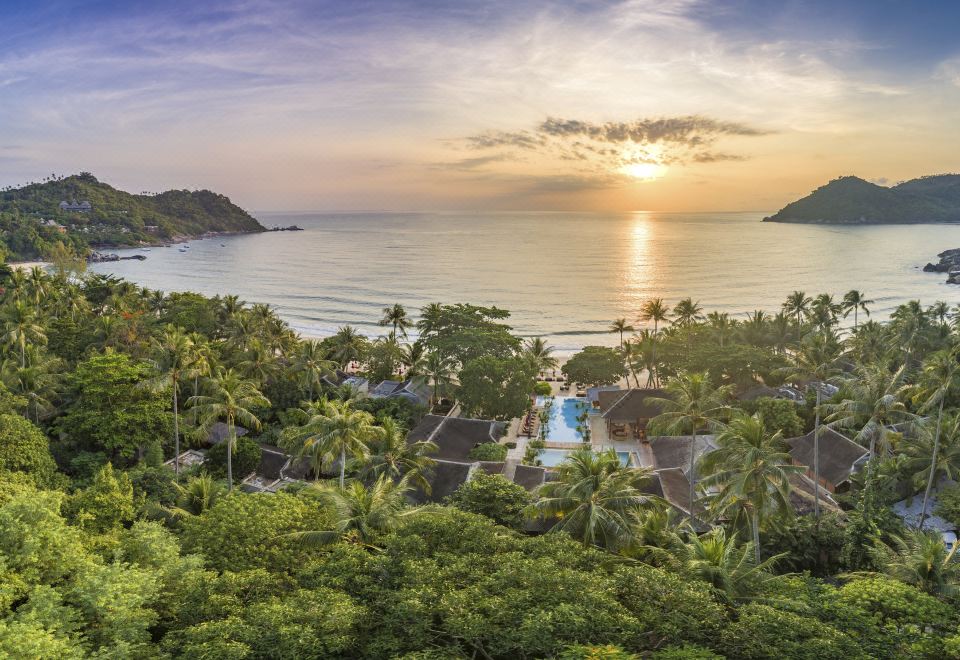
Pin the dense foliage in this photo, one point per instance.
(107, 552)
(115, 217)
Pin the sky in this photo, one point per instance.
(657, 105)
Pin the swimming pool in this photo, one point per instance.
(554, 457)
(562, 425)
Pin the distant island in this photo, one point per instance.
(850, 200)
(83, 212)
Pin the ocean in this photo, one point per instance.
(563, 276)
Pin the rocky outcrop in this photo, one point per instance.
(949, 263)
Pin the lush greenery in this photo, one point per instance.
(29, 216)
(106, 552)
(850, 200)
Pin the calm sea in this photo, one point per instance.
(564, 276)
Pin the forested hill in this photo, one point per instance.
(31, 216)
(851, 200)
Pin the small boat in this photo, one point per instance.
(183, 249)
(223, 245)
(144, 249)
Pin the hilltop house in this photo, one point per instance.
(53, 224)
(74, 207)
(840, 457)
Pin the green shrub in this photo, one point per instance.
(246, 459)
(543, 389)
(489, 451)
(493, 496)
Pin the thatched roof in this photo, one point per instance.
(839, 454)
(630, 405)
(219, 433)
(445, 478)
(673, 451)
(455, 436)
(529, 476)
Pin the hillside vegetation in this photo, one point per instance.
(851, 200)
(115, 218)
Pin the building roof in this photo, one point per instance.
(673, 451)
(445, 478)
(219, 433)
(530, 476)
(455, 436)
(272, 461)
(909, 510)
(385, 388)
(630, 405)
(593, 393)
(802, 496)
(838, 454)
(759, 392)
(415, 390)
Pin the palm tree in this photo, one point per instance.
(854, 301)
(335, 429)
(922, 559)
(631, 355)
(260, 363)
(413, 358)
(751, 469)
(797, 304)
(36, 382)
(911, 325)
(655, 310)
(594, 499)
(347, 345)
(721, 324)
(728, 567)
(231, 400)
(198, 495)
(930, 454)
(621, 326)
(438, 370)
(430, 316)
(396, 316)
(393, 456)
(692, 403)
(816, 360)
(686, 312)
(20, 327)
(311, 363)
(873, 405)
(540, 353)
(360, 513)
(174, 355)
(940, 310)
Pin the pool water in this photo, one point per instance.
(554, 457)
(562, 425)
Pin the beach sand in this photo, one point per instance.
(27, 265)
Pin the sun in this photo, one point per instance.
(644, 171)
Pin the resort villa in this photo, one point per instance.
(840, 457)
(627, 412)
(75, 207)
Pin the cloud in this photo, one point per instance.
(471, 164)
(690, 130)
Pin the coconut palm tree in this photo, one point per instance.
(722, 325)
(798, 305)
(727, 566)
(855, 301)
(816, 360)
(360, 513)
(347, 345)
(751, 469)
(940, 311)
(594, 499)
(198, 495)
(631, 355)
(692, 403)
(823, 311)
(393, 456)
(655, 310)
(875, 402)
(430, 316)
(687, 312)
(174, 353)
(36, 382)
(310, 362)
(540, 353)
(921, 559)
(396, 317)
(231, 400)
(21, 327)
(932, 452)
(334, 429)
(621, 326)
(413, 358)
(438, 370)
(911, 327)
